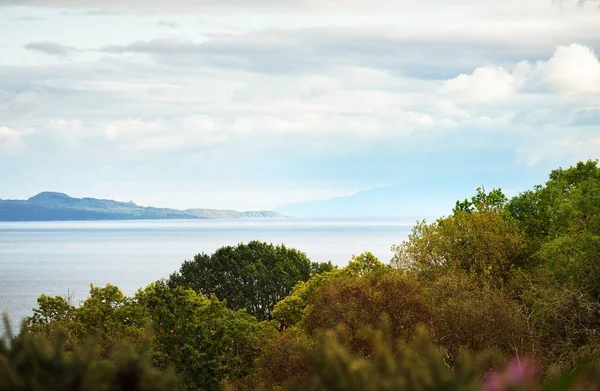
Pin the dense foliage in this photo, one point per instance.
(30, 362)
(502, 294)
(254, 276)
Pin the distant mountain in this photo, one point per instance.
(393, 201)
(51, 206)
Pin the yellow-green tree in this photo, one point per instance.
(108, 316)
(481, 240)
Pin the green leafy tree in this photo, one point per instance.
(253, 276)
(492, 201)
(568, 203)
(112, 316)
(204, 340)
(107, 315)
(561, 222)
(52, 313)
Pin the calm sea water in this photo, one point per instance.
(56, 258)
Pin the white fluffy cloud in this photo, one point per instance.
(483, 85)
(138, 134)
(572, 69)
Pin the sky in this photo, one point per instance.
(256, 104)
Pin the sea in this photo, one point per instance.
(64, 258)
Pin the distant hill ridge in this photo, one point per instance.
(53, 206)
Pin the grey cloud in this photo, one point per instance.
(51, 48)
(198, 4)
(429, 57)
(585, 117)
(159, 46)
(329, 6)
(103, 12)
(171, 25)
(191, 5)
(29, 18)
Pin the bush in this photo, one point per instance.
(29, 362)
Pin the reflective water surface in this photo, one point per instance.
(56, 258)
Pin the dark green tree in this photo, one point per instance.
(569, 203)
(561, 223)
(253, 276)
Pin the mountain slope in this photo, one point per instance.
(51, 206)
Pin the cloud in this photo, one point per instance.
(572, 69)
(157, 46)
(483, 85)
(10, 141)
(167, 24)
(143, 105)
(51, 48)
(291, 5)
(138, 134)
(426, 50)
(29, 18)
(156, 134)
(310, 50)
(102, 12)
(586, 116)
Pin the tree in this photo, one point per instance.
(561, 222)
(568, 203)
(468, 315)
(253, 276)
(107, 315)
(204, 340)
(358, 303)
(492, 201)
(282, 358)
(292, 309)
(52, 312)
(482, 242)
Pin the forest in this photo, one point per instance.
(502, 294)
